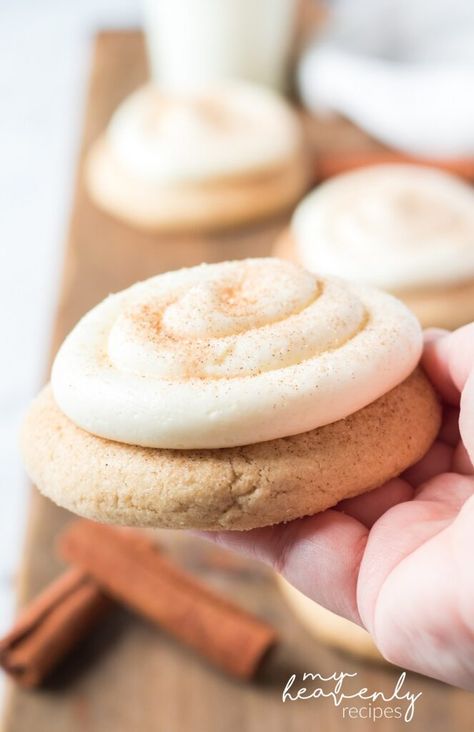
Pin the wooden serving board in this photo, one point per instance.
(128, 675)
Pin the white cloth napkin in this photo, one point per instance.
(401, 69)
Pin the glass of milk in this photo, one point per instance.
(195, 42)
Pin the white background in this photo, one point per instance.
(44, 56)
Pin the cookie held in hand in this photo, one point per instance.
(230, 396)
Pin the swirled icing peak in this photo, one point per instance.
(230, 354)
(392, 226)
(228, 130)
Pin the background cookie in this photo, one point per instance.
(201, 162)
(403, 228)
(329, 628)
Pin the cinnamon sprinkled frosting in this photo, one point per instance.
(229, 354)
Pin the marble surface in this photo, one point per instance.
(45, 52)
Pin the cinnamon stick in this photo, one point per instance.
(328, 165)
(50, 626)
(131, 570)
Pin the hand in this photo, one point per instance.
(400, 559)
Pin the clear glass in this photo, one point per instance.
(194, 42)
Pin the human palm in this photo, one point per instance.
(400, 559)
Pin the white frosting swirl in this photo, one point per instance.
(228, 130)
(393, 226)
(229, 354)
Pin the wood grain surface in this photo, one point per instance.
(128, 675)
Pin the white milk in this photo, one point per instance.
(194, 42)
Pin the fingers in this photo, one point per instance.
(449, 432)
(437, 460)
(401, 531)
(463, 538)
(466, 418)
(462, 463)
(448, 360)
(450, 491)
(449, 363)
(368, 507)
(432, 334)
(320, 555)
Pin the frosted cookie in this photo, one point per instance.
(222, 157)
(329, 628)
(403, 228)
(231, 395)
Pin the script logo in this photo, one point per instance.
(336, 688)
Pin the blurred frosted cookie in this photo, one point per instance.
(403, 228)
(329, 628)
(223, 157)
(230, 396)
